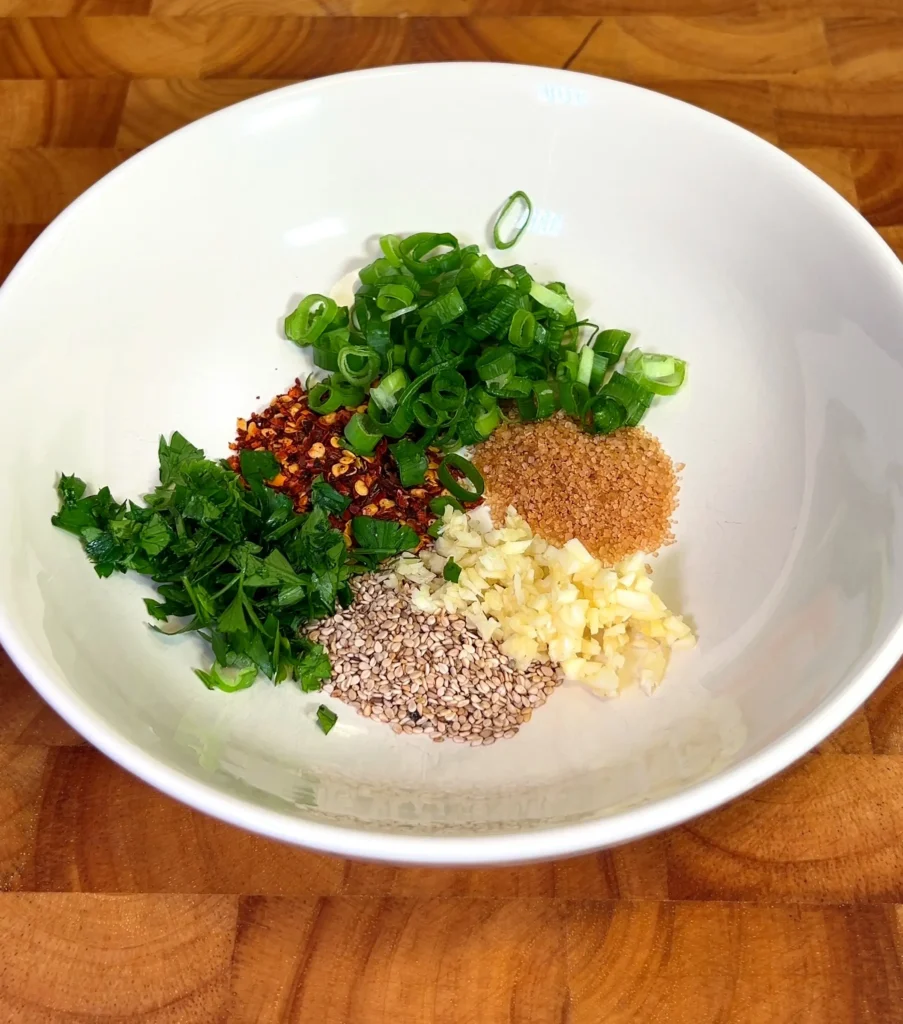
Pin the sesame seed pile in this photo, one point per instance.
(616, 492)
(426, 674)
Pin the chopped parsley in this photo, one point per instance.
(234, 563)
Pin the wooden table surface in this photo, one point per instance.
(120, 905)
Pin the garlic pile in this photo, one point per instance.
(604, 627)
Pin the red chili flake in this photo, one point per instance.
(307, 445)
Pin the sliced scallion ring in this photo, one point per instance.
(662, 375)
(522, 219)
(468, 470)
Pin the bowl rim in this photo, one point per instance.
(505, 848)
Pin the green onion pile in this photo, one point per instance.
(438, 336)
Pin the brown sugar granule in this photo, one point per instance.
(616, 493)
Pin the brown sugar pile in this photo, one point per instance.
(616, 493)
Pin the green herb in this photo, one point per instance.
(410, 457)
(232, 560)
(516, 198)
(326, 719)
(470, 473)
(451, 571)
(440, 336)
(378, 539)
(325, 496)
(662, 375)
(439, 504)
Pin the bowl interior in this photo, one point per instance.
(155, 304)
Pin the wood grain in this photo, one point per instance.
(118, 904)
(843, 116)
(308, 47)
(26, 719)
(745, 102)
(37, 184)
(164, 959)
(80, 113)
(726, 47)
(405, 961)
(879, 185)
(450, 8)
(865, 50)
(701, 964)
(154, 107)
(100, 47)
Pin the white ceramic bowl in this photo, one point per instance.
(154, 303)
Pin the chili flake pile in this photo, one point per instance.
(308, 445)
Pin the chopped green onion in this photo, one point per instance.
(395, 314)
(391, 247)
(323, 398)
(326, 719)
(605, 415)
(446, 308)
(522, 329)
(451, 571)
(468, 470)
(585, 366)
(485, 420)
(414, 248)
(358, 364)
(439, 504)
(441, 336)
(611, 344)
(362, 433)
(411, 460)
(542, 402)
(599, 371)
(520, 226)
(560, 304)
(325, 358)
(373, 273)
(523, 281)
(384, 394)
(495, 365)
(630, 395)
(434, 529)
(350, 395)
(310, 319)
(497, 318)
(662, 375)
(575, 398)
(393, 297)
(426, 414)
(448, 390)
(569, 366)
(513, 387)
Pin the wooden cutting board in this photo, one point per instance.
(119, 905)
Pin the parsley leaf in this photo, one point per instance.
(155, 535)
(70, 489)
(257, 467)
(325, 496)
(233, 620)
(232, 560)
(313, 668)
(175, 457)
(378, 539)
(326, 719)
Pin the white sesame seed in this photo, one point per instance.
(426, 674)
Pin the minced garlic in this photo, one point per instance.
(604, 627)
